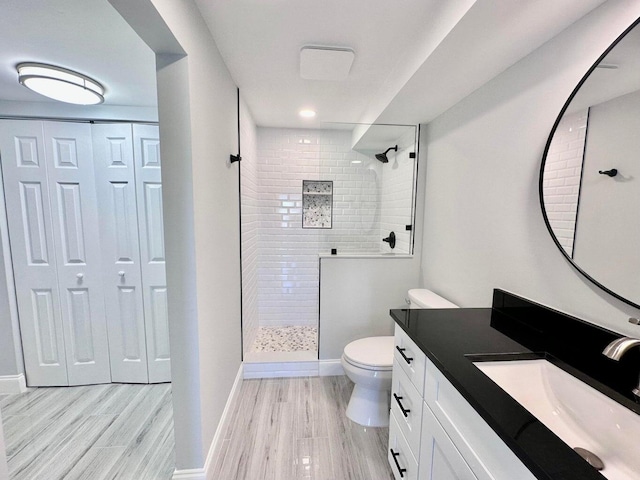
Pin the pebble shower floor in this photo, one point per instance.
(286, 339)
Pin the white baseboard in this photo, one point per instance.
(255, 370)
(330, 368)
(315, 368)
(281, 369)
(191, 474)
(10, 384)
(216, 444)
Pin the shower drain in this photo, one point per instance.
(591, 458)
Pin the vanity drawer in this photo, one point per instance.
(484, 451)
(406, 405)
(411, 359)
(399, 454)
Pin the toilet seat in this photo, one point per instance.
(372, 353)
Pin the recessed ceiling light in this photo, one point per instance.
(307, 113)
(60, 84)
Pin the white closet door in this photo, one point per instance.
(33, 252)
(146, 145)
(121, 276)
(75, 226)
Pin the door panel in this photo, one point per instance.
(71, 228)
(44, 320)
(33, 221)
(439, 457)
(79, 316)
(154, 224)
(121, 277)
(33, 252)
(146, 146)
(74, 206)
(159, 323)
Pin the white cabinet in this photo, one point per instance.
(83, 231)
(403, 463)
(487, 455)
(410, 358)
(439, 458)
(406, 405)
(448, 440)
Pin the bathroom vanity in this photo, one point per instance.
(451, 421)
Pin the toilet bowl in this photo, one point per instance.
(368, 362)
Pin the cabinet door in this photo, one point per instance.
(439, 458)
(33, 253)
(121, 276)
(403, 464)
(146, 145)
(75, 230)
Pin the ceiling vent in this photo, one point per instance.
(325, 63)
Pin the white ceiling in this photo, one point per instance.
(88, 36)
(414, 58)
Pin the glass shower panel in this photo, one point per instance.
(305, 193)
(373, 192)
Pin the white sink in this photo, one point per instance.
(577, 413)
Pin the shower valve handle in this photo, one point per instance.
(391, 240)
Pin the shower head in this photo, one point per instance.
(383, 156)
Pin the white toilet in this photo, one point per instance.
(368, 362)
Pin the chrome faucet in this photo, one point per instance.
(616, 349)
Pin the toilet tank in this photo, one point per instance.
(423, 298)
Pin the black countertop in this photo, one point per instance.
(518, 329)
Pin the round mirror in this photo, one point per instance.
(590, 174)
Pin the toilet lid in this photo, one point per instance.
(371, 353)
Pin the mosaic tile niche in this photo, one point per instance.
(317, 203)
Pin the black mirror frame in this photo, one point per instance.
(544, 159)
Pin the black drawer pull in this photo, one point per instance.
(400, 469)
(402, 409)
(406, 359)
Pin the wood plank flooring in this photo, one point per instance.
(296, 428)
(98, 432)
(281, 429)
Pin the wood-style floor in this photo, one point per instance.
(280, 429)
(291, 429)
(99, 432)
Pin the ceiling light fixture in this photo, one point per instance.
(60, 84)
(307, 113)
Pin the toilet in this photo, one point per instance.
(368, 362)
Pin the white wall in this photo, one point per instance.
(562, 172)
(483, 225)
(198, 132)
(608, 230)
(357, 294)
(214, 206)
(94, 112)
(250, 223)
(288, 254)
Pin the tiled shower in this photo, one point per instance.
(305, 193)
